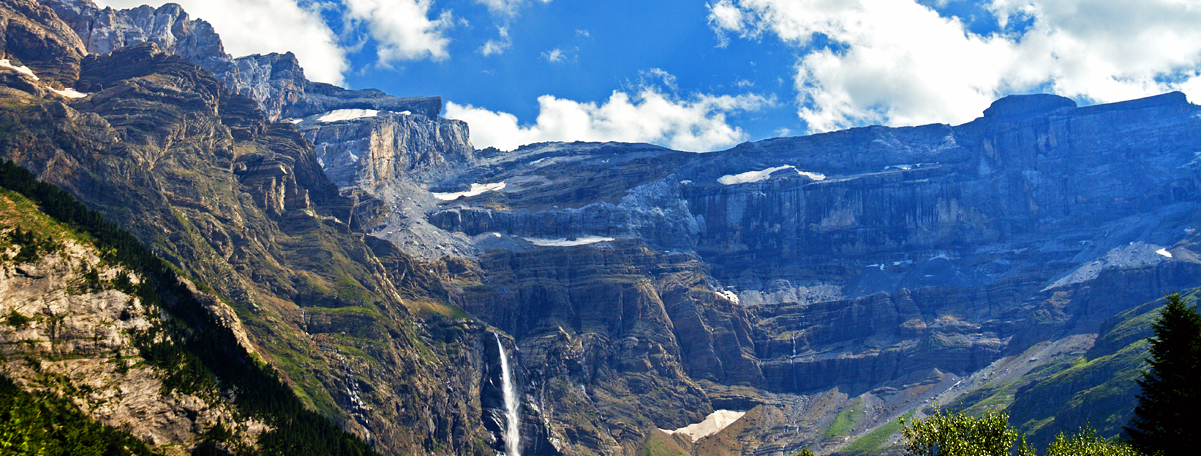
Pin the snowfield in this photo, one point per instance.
(476, 189)
(757, 176)
(339, 115)
(583, 240)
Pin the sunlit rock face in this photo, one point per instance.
(365, 148)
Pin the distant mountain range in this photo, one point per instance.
(826, 285)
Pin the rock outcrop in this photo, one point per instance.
(34, 37)
(384, 147)
(69, 330)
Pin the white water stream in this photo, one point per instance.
(513, 425)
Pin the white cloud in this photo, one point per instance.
(499, 45)
(402, 29)
(505, 7)
(668, 79)
(898, 62)
(698, 124)
(265, 26)
(554, 55)
(725, 16)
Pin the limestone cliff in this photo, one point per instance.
(890, 265)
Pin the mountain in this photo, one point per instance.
(825, 285)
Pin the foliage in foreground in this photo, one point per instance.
(957, 434)
(1168, 404)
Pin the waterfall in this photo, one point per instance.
(513, 424)
(791, 366)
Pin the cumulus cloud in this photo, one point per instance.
(698, 124)
(402, 29)
(899, 62)
(264, 26)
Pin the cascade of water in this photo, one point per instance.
(513, 424)
(790, 363)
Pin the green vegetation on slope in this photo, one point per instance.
(202, 356)
(1098, 390)
(847, 419)
(875, 441)
(50, 425)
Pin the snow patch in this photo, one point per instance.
(20, 69)
(1130, 255)
(757, 176)
(712, 424)
(733, 297)
(564, 242)
(69, 92)
(339, 115)
(476, 189)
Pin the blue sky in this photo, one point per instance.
(706, 75)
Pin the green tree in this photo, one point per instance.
(955, 434)
(1086, 443)
(1168, 404)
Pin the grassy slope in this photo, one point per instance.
(1098, 390)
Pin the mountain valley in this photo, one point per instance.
(799, 292)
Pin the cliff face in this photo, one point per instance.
(385, 146)
(889, 265)
(597, 342)
(45, 44)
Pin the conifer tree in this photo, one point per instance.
(1168, 406)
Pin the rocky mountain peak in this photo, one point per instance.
(169, 26)
(1022, 105)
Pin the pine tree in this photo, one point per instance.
(1168, 405)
